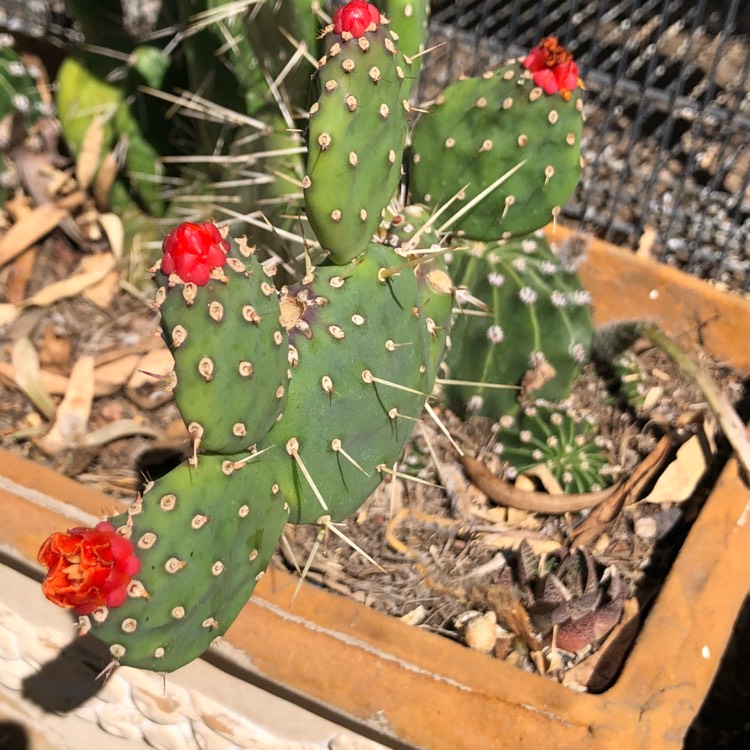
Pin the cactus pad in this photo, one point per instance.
(358, 348)
(203, 540)
(482, 128)
(356, 137)
(228, 345)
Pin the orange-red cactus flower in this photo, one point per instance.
(88, 568)
(552, 67)
(193, 250)
(355, 17)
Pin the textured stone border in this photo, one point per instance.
(432, 693)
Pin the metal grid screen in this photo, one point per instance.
(667, 138)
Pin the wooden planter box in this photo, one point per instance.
(410, 685)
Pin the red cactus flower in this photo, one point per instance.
(355, 17)
(88, 568)
(192, 250)
(552, 67)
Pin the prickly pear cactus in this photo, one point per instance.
(300, 399)
(527, 333)
(409, 18)
(220, 320)
(357, 130)
(359, 350)
(480, 129)
(204, 535)
(553, 436)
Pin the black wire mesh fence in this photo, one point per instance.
(667, 138)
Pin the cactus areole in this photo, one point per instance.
(88, 568)
(552, 67)
(355, 18)
(192, 251)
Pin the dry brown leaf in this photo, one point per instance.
(54, 384)
(98, 266)
(512, 615)
(74, 410)
(91, 148)
(112, 376)
(115, 231)
(8, 313)
(536, 377)
(117, 430)
(103, 292)
(26, 375)
(35, 225)
(54, 350)
(525, 483)
(158, 362)
(543, 474)
(626, 492)
(505, 493)
(109, 378)
(21, 270)
(104, 180)
(679, 480)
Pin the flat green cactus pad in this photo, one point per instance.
(480, 129)
(204, 536)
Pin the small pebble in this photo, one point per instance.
(481, 632)
(646, 527)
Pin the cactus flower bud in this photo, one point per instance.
(88, 568)
(355, 17)
(193, 250)
(552, 67)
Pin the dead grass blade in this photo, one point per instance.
(32, 227)
(74, 410)
(26, 375)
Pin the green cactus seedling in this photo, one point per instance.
(550, 435)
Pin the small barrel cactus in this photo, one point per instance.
(553, 436)
(529, 338)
